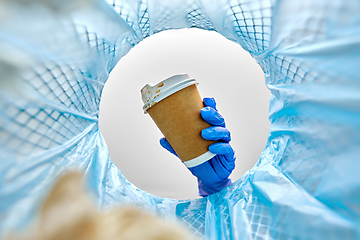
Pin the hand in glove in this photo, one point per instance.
(212, 175)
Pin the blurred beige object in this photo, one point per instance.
(69, 214)
(174, 105)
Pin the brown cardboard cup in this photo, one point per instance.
(174, 105)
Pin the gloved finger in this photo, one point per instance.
(165, 144)
(224, 161)
(222, 167)
(209, 102)
(216, 134)
(223, 149)
(228, 165)
(211, 116)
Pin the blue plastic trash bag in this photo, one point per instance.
(55, 57)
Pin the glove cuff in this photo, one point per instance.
(199, 160)
(205, 191)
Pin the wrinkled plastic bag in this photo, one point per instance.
(56, 57)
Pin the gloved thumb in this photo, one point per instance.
(165, 144)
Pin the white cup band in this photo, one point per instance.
(199, 160)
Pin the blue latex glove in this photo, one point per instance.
(212, 175)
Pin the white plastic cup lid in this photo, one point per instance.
(154, 94)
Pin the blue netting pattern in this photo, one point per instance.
(56, 57)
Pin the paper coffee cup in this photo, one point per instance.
(174, 105)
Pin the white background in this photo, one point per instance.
(224, 71)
